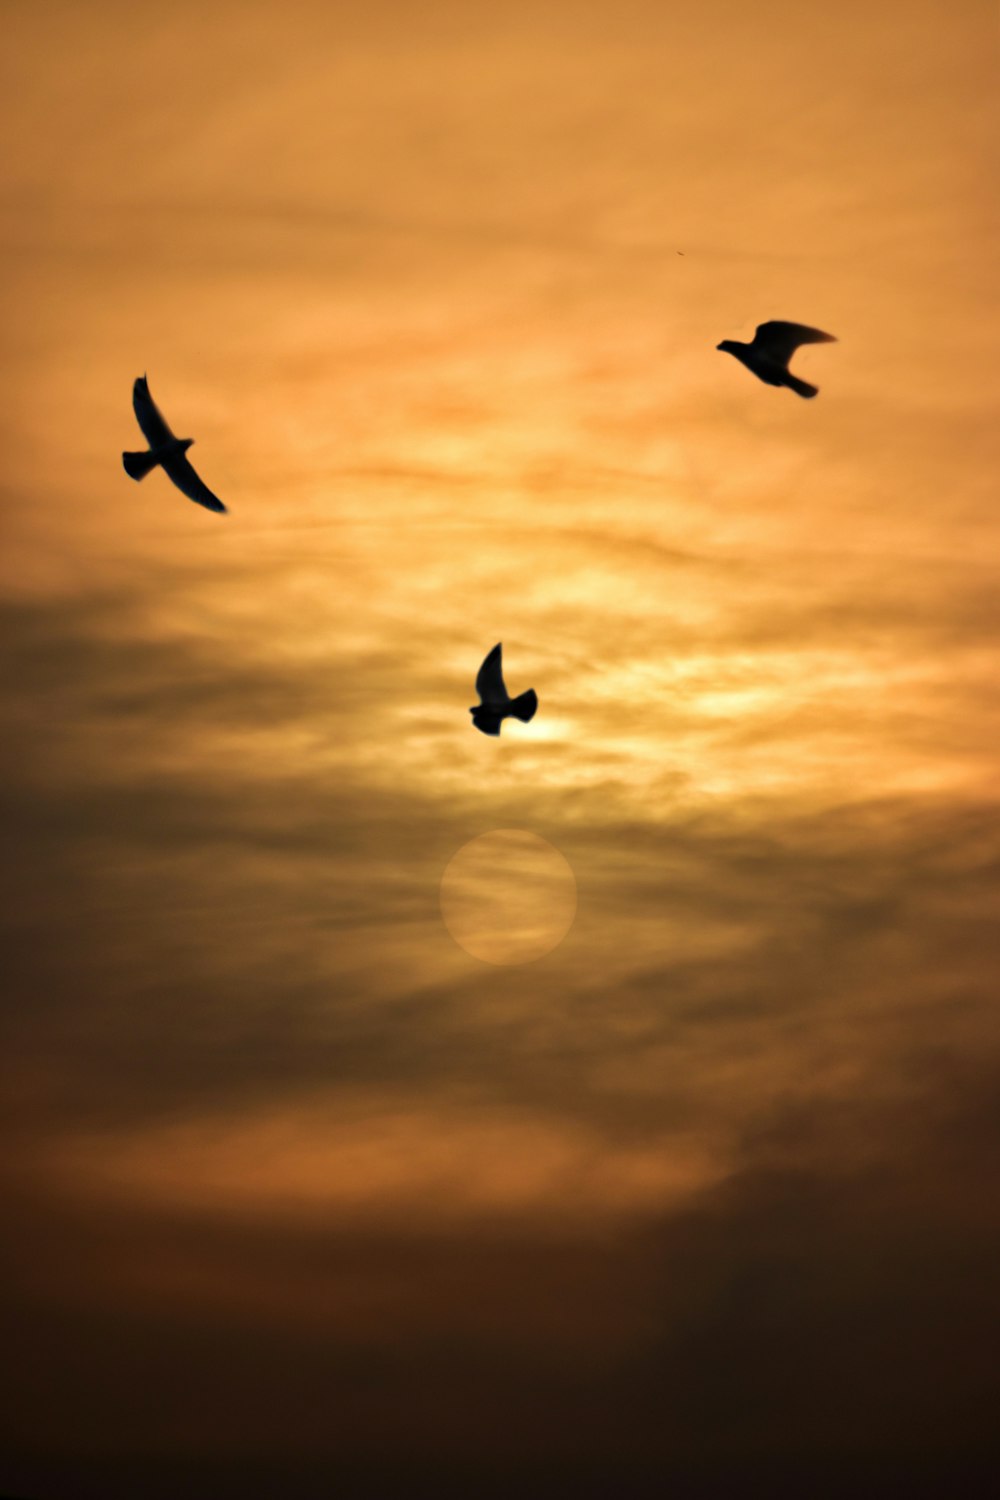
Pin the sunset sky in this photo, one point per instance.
(299, 1197)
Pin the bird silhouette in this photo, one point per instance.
(166, 450)
(497, 704)
(772, 347)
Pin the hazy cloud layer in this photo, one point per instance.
(298, 1195)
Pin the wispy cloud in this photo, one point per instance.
(290, 1177)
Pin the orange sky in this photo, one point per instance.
(437, 290)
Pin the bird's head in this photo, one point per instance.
(185, 444)
(727, 346)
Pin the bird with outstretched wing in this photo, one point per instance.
(496, 704)
(770, 349)
(165, 451)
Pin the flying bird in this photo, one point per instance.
(497, 704)
(772, 347)
(166, 450)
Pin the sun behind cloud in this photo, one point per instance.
(508, 897)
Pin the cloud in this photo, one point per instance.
(297, 1195)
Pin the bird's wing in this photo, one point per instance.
(189, 483)
(489, 681)
(779, 341)
(148, 415)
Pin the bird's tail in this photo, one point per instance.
(801, 387)
(138, 465)
(524, 707)
(485, 722)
